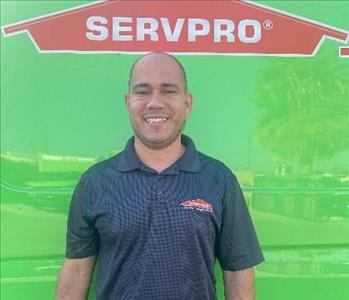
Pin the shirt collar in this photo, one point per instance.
(188, 162)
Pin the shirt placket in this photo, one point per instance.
(158, 192)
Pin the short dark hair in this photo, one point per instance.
(161, 53)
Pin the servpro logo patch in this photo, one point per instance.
(198, 204)
(229, 27)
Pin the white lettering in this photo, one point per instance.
(93, 24)
(117, 29)
(151, 30)
(257, 33)
(227, 32)
(172, 36)
(193, 31)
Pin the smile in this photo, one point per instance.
(157, 120)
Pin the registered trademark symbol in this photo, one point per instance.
(267, 24)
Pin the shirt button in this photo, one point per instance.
(158, 192)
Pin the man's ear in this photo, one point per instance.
(127, 100)
(188, 104)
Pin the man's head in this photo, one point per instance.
(157, 101)
(160, 53)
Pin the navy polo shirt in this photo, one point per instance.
(157, 235)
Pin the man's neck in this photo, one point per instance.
(159, 159)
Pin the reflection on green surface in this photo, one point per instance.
(50, 171)
(305, 108)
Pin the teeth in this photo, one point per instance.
(155, 120)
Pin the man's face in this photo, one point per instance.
(157, 102)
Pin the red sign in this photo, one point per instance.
(344, 51)
(195, 27)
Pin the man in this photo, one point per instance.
(158, 214)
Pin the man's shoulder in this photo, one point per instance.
(211, 164)
(106, 167)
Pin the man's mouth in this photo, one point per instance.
(155, 120)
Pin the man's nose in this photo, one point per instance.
(156, 101)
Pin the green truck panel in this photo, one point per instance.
(281, 125)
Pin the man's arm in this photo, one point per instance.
(75, 278)
(239, 285)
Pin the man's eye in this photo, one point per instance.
(170, 91)
(141, 92)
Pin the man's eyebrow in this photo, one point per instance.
(169, 84)
(140, 85)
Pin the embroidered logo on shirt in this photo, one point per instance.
(198, 204)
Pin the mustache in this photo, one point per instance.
(161, 112)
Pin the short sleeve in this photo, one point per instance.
(238, 247)
(82, 237)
